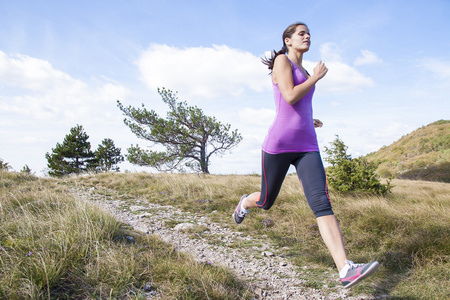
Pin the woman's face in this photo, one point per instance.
(300, 39)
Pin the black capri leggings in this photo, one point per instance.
(310, 171)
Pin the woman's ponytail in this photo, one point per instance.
(269, 62)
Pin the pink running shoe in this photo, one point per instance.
(357, 272)
(239, 212)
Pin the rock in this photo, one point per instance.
(183, 226)
(268, 254)
(130, 240)
(258, 293)
(137, 207)
(145, 215)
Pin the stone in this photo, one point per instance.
(130, 240)
(268, 254)
(148, 287)
(183, 226)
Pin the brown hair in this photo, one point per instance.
(288, 32)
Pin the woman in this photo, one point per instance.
(292, 140)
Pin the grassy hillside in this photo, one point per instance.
(424, 154)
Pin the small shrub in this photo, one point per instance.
(349, 175)
(4, 166)
(26, 169)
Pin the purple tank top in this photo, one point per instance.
(293, 128)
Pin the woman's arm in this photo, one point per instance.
(282, 75)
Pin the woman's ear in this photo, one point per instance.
(287, 41)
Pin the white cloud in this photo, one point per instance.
(221, 71)
(341, 77)
(330, 52)
(109, 92)
(39, 103)
(367, 57)
(392, 131)
(261, 116)
(39, 91)
(34, 74)
(370, 140)
(437, 66)
(207, 72)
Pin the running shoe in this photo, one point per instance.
(239, 212)
(357, 272)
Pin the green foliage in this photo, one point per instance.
(26, 169)
(108, 156)
(440, 122)
(348, 175)
(74, 155)
(189, 136)
(4, 166)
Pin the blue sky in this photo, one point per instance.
(64, 63)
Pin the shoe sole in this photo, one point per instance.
(373, 268)
(235, 211)
(235, 220)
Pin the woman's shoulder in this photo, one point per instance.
(282, 59)
(282, 62)
(282, 65)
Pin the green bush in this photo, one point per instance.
(347, 174)
(4, 166)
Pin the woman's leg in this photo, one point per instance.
(250, 200)
(331, 235)
(274, 169)
(312, 175)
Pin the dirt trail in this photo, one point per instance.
(267, 274)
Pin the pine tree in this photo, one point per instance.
(73, 156)
(108, 156)
(189, 136)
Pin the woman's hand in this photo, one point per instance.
(282, 75)
(317, 123)
(320, 70)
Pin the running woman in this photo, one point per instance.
(292, 140)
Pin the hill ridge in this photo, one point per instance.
(423, 154)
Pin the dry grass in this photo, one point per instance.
(55, 246)
(408, 231)
(422, 154)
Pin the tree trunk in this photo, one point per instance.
(203, 162)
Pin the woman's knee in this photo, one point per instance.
(266, 206)
(265, 203)
(321, 206)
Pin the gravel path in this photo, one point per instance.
(267, 274)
